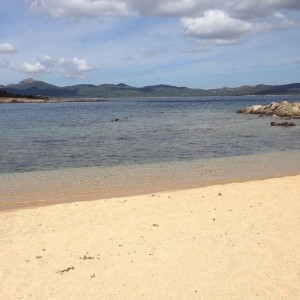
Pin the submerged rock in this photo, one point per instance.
(283, 109)
(284, 124)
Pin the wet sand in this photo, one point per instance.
(233, 241)
(40, 188)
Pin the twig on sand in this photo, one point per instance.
(66, 270)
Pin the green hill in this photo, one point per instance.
(40, 88)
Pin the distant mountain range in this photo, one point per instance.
(40, 88)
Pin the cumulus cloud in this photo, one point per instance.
(260, 8)
(103, 8)
(81, 65)
(182, 8)
(7, 48)
(218, 22)
(282, 21)
(81, 8)
(218, 27)
(169, 7)
(33, 68)
(76, 67)
(70, 68)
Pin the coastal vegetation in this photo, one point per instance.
(4, 94)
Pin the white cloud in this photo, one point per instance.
(282, 22)
(70, 68)
(169, 7)
(260, 8)
(33, 68)
(76, 67)
(81, 8)
(81, 64)
(219, 28)
(7, 48)
(103, 8)
(182, 8)
(215, 22)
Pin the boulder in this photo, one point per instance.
(284, 103)
(246, 110)
(287, 111)
(256, 109)
(250, 109)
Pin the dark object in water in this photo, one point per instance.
(284, 124)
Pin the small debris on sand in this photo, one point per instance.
(66, 270)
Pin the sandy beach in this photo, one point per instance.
(233, 241)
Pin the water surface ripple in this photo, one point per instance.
(37, 137)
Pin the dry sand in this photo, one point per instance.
(234, 241)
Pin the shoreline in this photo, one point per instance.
(44, 188)
(78, 99)
(17, 206)
(237, 240)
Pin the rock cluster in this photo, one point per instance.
(283, 109)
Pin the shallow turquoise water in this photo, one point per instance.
(75, 135)
(76, 151)
(89, 183)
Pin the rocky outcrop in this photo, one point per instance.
(283, 109)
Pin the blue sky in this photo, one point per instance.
(194, 43)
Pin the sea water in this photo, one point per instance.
(57, 151)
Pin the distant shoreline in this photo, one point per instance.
(33, 99)
(15, 100)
